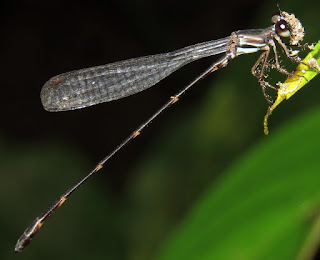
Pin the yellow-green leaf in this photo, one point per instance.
(304, 72)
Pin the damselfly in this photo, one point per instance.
(91, 86)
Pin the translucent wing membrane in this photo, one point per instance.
(87, 87)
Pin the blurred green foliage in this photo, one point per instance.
(264, 206)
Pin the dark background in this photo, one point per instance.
(42, 153)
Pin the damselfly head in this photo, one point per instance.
(287, 25)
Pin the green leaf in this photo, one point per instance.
(302, 75)
(264, 207)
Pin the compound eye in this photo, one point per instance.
(282, 28)
(275, 17)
